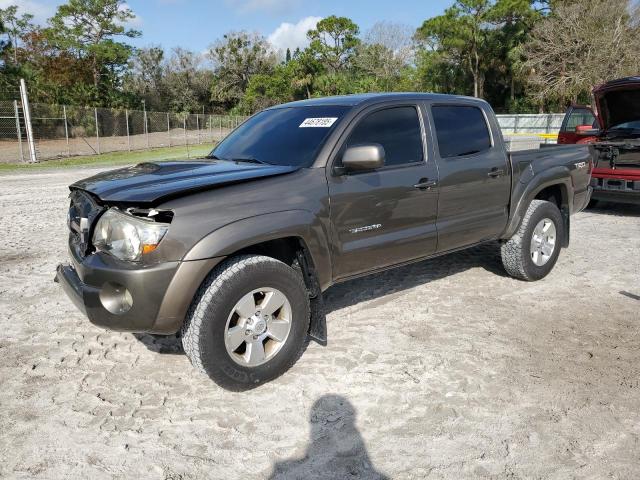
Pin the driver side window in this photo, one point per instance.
(397, 129)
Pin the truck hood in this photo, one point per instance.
(618, 102)
(150, 183)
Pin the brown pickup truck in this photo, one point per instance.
(234, 250)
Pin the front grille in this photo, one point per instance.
(83, 212)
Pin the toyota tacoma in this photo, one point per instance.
(233, 251)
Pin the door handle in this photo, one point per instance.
(425, 184)
(495, 172)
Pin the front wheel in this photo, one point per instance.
(248, 323)
(533, 250)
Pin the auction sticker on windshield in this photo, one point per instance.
(323, 122)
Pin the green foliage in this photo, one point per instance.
(476, 47)
(333, 42)
(15, 27)
(4, 43)
(238, 57)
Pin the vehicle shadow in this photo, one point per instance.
(615, 209)
(336, 448)
(486, 256)
(168, 344)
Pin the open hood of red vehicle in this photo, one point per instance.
(618, 101)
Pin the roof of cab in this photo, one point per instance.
(367, 98)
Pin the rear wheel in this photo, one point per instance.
(248, 323)
(533, 251)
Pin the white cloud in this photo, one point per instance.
(293, 35)
(269, 6)
(41, 12)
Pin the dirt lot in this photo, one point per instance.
(444, 369)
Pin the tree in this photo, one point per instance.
(581, 44)
(236, 58)
(380, 64)
(16, 27)
(333, 42)
(89, 29)
(396, 37)
(385, 55)
(4, 43)
(146, 77)
(513, 21)
(186, 83)
(460, 33)
(287, 57)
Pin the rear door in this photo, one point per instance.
(387, 216)
(575, 116)
(475, 181)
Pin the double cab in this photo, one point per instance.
(235, 250)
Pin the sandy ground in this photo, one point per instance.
(443, 369)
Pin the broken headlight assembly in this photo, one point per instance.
(127, 236)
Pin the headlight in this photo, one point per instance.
(125, 236)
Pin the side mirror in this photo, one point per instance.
(363, 157)
(586, 130)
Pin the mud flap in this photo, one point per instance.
(567, 226)
(318, 321)
(318, 324)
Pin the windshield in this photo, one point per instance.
(635, 125)
(282, 136)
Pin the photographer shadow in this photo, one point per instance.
(336, 448)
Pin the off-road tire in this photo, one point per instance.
(204, 328)
(516, 252)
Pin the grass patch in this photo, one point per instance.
(114, 158)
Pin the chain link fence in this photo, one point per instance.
(66, 131)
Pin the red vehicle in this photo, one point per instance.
(615, 134)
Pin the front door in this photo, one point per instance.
(387, 216)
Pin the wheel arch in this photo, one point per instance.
(553, 185)
(279, 235)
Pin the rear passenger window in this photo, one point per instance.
(461, 130)
(579, 116)
(396, 129)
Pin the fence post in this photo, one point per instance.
(515, 123)
(146, 129)
(95, 113)
(27, 120)
(19, 132)
(168, 129)
(220, 121)
(210, 129)
(549, 118)
(126, 120)
(186, 140)
(66, 129)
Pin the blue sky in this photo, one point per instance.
(196, 24)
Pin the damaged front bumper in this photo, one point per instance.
(115, 295)
(131, 297)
